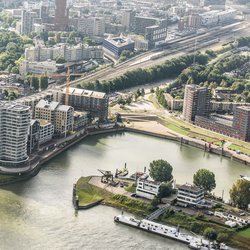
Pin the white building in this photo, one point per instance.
(190, 195)
(46, 67)
(46, 131)
(69, 53)
(14, 129)
(146, 188)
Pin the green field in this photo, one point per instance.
(245, 233)
(242, 149)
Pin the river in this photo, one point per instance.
(38, 214)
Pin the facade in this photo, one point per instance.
(196, 102)
(46, 131)
(194, 21)
(128, 19)
(155, 34)
(61, 15)
(142, 22)
(81, 119)
(241, 122)
(61, 116)
(96, 103)
(146, 188)
(69, 53)
(27, 21)
(33, 139)
(190, 195)
(47, 67)
(14, 129)
(115, 46)
(216, 4)
(173, 104)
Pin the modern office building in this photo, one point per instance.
(96, 103)
(196, 102)
(115, 46)
(155, 34)
(27, 21)
(14, 129)
(241, 122)
(190, 195)
(46, 131)
(33, 139)
(61, 116)
(61, 15)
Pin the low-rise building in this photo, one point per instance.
(173, 103)
(147, 188)
(47, 67)
(190, 195)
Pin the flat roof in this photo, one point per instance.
(13, 106)
(84, 92)
(46, 104)
(190, 187)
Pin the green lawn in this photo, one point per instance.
(245, 233)
(131, 188)
(242, 149)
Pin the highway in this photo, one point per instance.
(179, 48)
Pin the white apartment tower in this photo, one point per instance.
(14, 128)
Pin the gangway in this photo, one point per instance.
(158, 212)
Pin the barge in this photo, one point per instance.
(169, 232)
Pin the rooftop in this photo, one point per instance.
(13, 106)
(84, 92)
(190, 187)
(47, 105)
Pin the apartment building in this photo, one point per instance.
(196, 102)
(61, 116)
(96, 103)
(14, 128)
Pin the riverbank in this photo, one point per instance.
(90, 191)
(47, 155)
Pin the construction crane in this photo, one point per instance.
(68, 75)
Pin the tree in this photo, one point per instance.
(240, 193)
(60, 60)
(165, 190)
(222, 237)
(205, 179)
(210, 233)
(44, 82)
(160, 170)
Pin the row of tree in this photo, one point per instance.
(169, 69)
(37, 83)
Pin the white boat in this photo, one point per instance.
(169, 232)
(242, 177)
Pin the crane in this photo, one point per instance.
(68, 75)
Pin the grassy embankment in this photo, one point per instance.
(199, 223)
(186, 129)
(89, 193)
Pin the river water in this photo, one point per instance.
(38, 214)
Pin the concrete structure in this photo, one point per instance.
(173, 104)
(61, 15)
(47, 67)
(96, 103)
(190, 195)
(196, 102)
(46, 131)
(155, 34)
(115, 46)
(27, 21)
(81, 119)
(194, 21)
(79, 52)
(241, 122)
(128, 19)
(61, 116)
(33, 139)
(214, 4)
(14, 129)
(146, 188)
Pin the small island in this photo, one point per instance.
(210, 217)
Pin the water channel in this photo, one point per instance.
(37, 214)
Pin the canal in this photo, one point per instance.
(37, 214)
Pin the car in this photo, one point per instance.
(133, 195)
